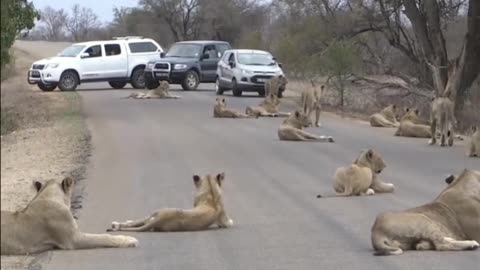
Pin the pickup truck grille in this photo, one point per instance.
(162, 66)
(255, 78)
(38, 67)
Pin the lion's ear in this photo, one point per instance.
(67, 184)
(37, 185)
(196, 180)
(474, 129)
(407, 109)
(220, 177)
(369, 153)
(450, 179)
(297, 114)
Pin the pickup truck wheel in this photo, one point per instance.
(117, 85)
(218, 89)
(191, 81)
(47, 87)
(68, 81)
(236, 92)
(138, 80)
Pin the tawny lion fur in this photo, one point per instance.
(385, 118)
(443, 120)
(450, 222)
(361, 177)
(162, 92)
(220, 110)
(473, 145)
(208, 209)
(311, 101)
(411, 125)
(268, 107)
(273, 85)
(47, 223)
(291, 129)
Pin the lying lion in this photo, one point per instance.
(207, 210)
(162, 91)
(361, 178)
(385, 118)
(268, 107)
(412, 126)
(291, 129)
(47, 223)
(450, 222)
(220, 110)
(473, 145)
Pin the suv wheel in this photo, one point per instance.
(235, 90)
(218, 89)
(117, 85)
(68, 81)
(47, 87)
(191, 81)
(138, 80)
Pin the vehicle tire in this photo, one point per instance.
(47, 87)
(191, 80)
(261, 92)
(137, 80)
(236, 92)
(68, 81)
(117, 85)
(218, 89)
(152, 84)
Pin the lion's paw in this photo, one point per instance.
(127, 241)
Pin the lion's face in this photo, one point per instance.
(411, 115)
(372, 159)
(164, 85)
(53, 189)
(220, 102)
(273, 99)
(301, 119)
(208, 189)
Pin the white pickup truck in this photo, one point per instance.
(118, 62)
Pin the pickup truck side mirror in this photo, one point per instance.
(205, 56)
(84, 55)
(162, 55)
(231, 64)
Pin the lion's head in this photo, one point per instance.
(220, 102)
(209, 190)
(412, 115)
(54, 190)
(390, 112)
(298, 119)
(164, 85)
(371, 159)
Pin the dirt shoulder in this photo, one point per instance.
(44, 136)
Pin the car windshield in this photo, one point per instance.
(255, 59)
(184, 50)
(71, 51)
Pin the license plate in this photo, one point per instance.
(161, 74)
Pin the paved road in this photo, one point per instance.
(146, 151)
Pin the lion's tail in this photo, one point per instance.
(347, 192)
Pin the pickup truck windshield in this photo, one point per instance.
(255, 59)
(184, 50)
(71, 51)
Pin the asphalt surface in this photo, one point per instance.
(146, 151)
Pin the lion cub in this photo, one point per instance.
(275, 85)
(473, 146)
(291, 129)
(162, 91)
(411, 125)
(208, 209)
(311, 101)
(360, 178)
(220, 110)
(268, 107)
(385, 118)
(442, 114)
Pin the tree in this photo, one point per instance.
(81, 22)
(54, 22)
(16, 15)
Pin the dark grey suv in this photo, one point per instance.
(187, 63)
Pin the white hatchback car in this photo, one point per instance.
(246, 71)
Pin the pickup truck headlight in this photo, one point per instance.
(150, 65)
(52, 65)
(179, 66)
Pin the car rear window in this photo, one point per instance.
(139, 47)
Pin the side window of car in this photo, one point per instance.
(221, 48)
(211, 51)
(112, 49)
(94, 51)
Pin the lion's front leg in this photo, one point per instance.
(89, 241)
(381, 187)
(224, 221)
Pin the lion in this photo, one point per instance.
(361, 178)
(162, 91)
(268, 107)
(473, 146)
(47, 223)
(450, 222)
(291, 129)
(442, 114)
(311, 100)
(208, 209)
(276, 85)
(411, 125)
(385, 118)
(220, 110)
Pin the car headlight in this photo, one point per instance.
(52, 65)
(150, 65)
(248, 72)
(179, 66)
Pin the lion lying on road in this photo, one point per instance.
(361, 178)
(207, 209)
(268, 107)
(450, 222)
(47, 223)
(473, 146)
(220, 110)
(411, 125)
(162, 91)
(385, 118)
(291, 129)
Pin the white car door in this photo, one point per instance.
(91, 64)
(225, 71)
(115, 63)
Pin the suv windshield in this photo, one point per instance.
(184, 50)
(255, 59)
(72, 51)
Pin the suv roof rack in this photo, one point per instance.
(129, 37)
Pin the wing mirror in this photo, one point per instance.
(84, 55)
(231, 64)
